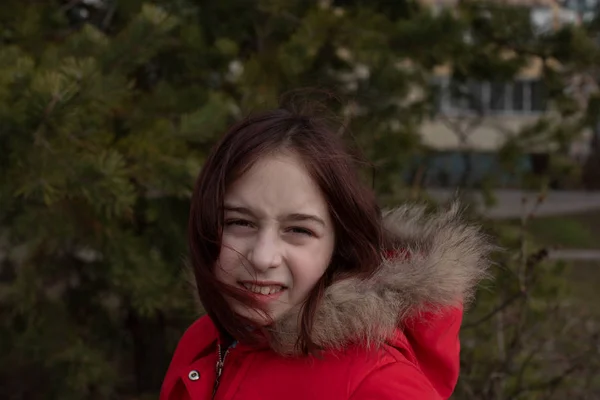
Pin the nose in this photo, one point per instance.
(266, 252)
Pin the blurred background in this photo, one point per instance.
(109, 107)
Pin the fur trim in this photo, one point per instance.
(447, 260)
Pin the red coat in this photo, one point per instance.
(423, 364)
(417, 357)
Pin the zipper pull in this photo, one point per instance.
(219, 368)
(220, 364)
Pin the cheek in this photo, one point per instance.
(227, 262)
(309, 267)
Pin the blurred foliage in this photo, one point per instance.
(108, 108)
(573, 231)
(530, 335)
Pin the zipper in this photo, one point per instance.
(219, 366)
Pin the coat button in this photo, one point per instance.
(193, 375)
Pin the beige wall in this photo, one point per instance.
(489, 135)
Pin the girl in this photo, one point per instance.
(310, 292)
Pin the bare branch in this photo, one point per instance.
(496, 310)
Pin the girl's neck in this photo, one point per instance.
(225, 339)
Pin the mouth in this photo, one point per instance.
(263, 290)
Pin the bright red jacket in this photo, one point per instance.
(411, 309)
(424, 368)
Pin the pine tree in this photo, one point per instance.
(107, 111)
(97, 169)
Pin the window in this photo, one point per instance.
(476, 96)
(538, 96)
(498, 100)
(518, 97)
(523, 96)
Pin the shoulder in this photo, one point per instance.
(197, 340)
(202, 327)
(420, 361)
(392, 376)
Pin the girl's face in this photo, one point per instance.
(278, 237)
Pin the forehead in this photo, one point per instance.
(275, 184)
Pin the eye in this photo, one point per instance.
(238, 222)
(301, 231)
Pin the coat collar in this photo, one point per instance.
(448, 258)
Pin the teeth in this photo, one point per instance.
(264, 290)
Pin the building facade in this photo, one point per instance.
(479, 117)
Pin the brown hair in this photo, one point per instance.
(352, 206)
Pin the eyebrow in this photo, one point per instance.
(297, 217)
(305, 217)
(241, 210)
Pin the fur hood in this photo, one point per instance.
(447, 260)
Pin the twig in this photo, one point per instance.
(496, 310)
(417, 183)
(523, 368)
(554, 381)
(524, 260)
(500, 335)
(109, 15)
